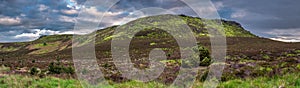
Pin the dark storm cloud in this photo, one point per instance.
(263, 16)
(139, 4)
(22, 16)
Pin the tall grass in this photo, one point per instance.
(17, 81)
(285, 81)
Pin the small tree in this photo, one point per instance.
(204, 55)
(35, 71)
(44, 44)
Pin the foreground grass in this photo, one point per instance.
(17, 81)
(285, 81)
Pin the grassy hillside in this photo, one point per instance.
(46, 44)
(250, 59)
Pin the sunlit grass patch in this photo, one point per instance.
(287, 81)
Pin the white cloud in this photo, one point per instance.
(43, 7)
(286, 39)
(93, 11)
(45, 32)
(9, 20)
(244, 15)
(285, 35)
(35, 33)
(55, 11)
(23, 15)
(27, 35)
(70, 12)
(80, 32)
(292, 31)
(184, 9)
(67, 19)
(219, 5)
(73, 4)
(90, 15)
(206, 11)
(239, 14)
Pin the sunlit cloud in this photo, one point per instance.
(10, 20)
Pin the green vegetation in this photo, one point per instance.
(152, 43)
(297, 51)
(266, 56)
(44, 47)
(240, 66)
(35, 71)
(197, 25)
(9, 49)
(4, 68)
(57, 68)
(18, 81)
(298, 66)
(53, 38)
(50, 43)
(204, 55)
(231, 28)
(41, 45)
(287, 81)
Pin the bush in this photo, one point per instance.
(204, 58)
(4, 68)
(56, 68)
(35, 71)
(69, 70)
(44, 44)
(33, 61)
(205, 62)
(204, 55)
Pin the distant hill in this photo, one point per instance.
(50, 43)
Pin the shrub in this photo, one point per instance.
(204, 76)
(298, 66)
(56, 68)
(205, 62)
(4, 68)
(35, 71)
(204, 58)
(297, 83)
(265, 56)
(33, 61)
(204, 55)
(44, 44)
(69, 70)
(106, 65)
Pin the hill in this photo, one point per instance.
(247, 55)
(50, 43)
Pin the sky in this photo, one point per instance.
(27, 20)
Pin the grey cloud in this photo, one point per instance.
(265, 15)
